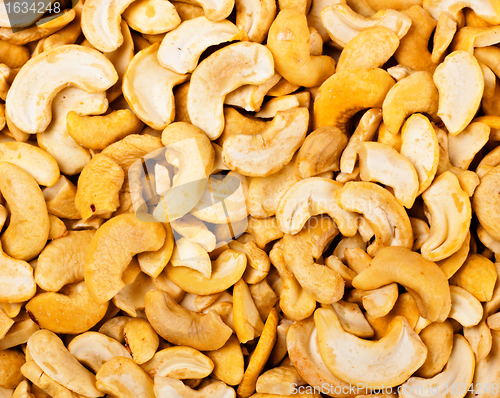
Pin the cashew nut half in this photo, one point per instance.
(30, 97)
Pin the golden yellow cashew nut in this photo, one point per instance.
(29, 226)
(114, 244)
(428, 284)
(288, 40)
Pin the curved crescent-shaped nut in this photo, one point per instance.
(50, 354)
(460, 83)
(112, 249)
(101, 23)
(181, 49)
(420, 146)
(486, 204)
(469, 37)
(191, 255)
(488, 10)
(122, 378)
(155, 107)
(465, 308)
(228, 362)
(30, 97)
(445, 30)
(426, 281)
(320, 152)
(346, 93)
(38, 163)
(141, 340)
(29, 226)
(179, 363)
(413, 49)
(303, 350)
(449, 215)
(167, 387)
(281, 380)
(264, 154)
(94, 349)
(251, 97)
(386, 362)
(99, 185)
(370, 48)
(97, 132)
(151, 16)
(16, 280)
(416, 93)
(226, 271)
(320, 281)
(343, 24)
(203, 332)
(11, 362)
(478, 276)
(381, 163)
(289, 41)
(458, 371)
(62, 260)
(56, 140)
(72, 312)
(222, 72)
(255, 18)
(311, 197)
(247, 321)
(386, 216)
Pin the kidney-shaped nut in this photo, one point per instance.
(70, 311)
(478, 276)
(438, 337)
(94, 349)
(255, 17)
(101, 23)
(114, 244)
(181, 48)
(465, 308)
(346, 93)
(11, 362)
(465, 146)
(49, 352)
(99, 185)
(226, 271)
(415, 93)
(166, 387)
(141, 340)
(319, 281)
(320, 152)
(30, 97)
(29, 226)
(386, 362)
(62, 260)
(97, 132)
(425, 280)
(488, 10)
(385, 215)
(155, 107)
(219, 74)
(460, 83)
(449, 212)
(343, 24)
(191, 255)
(420, 146)
(370, 48)
(308, 198)
(183, 327)
(279, 381)
(263, 154)
(16, 280)
(179, 363)
(288, 40)
(458, 371)
(247, 321)
(122, 378)
(36, 162)
(381, 163)
(151, 17)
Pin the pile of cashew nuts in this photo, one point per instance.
(251, 198)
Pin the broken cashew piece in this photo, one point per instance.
(29, 100)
